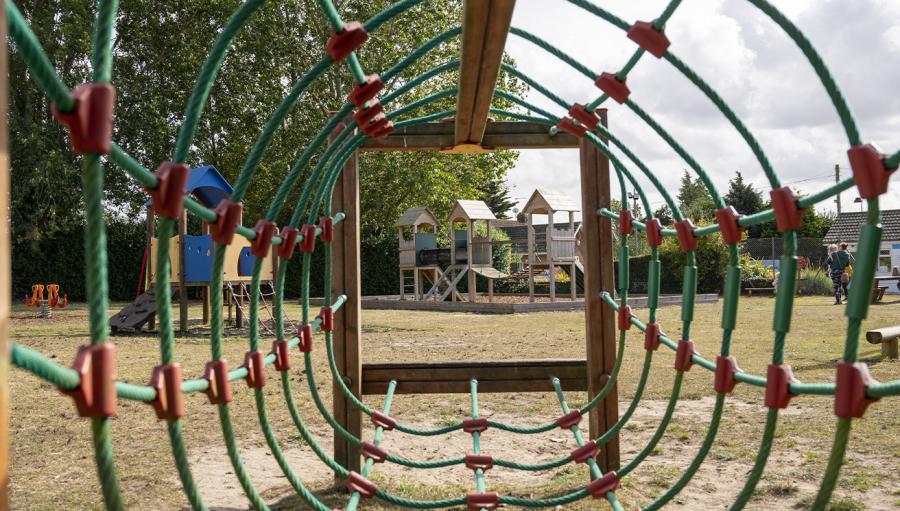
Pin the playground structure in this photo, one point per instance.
(91, 381)
(191, 260)
(46, 304)
(560, 245)
(411, 266)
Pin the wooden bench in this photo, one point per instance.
(751, 290)
(889, 338)
(878, 293)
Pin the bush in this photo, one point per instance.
(814, 282)
(712, 258)
(754, 273)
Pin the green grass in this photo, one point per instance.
(52, 462)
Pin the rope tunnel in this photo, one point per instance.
(373, 111)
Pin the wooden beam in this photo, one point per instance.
(438, 136)
(5, 275)
(492, 376)
(348, 329)
(485, 27)
(600, 329)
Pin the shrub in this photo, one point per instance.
(814, 282)
(754, 273)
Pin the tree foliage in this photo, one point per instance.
(743, 196)
(694, 199)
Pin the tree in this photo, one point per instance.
(743, 196)
(495, 193)
(694, 199)
(664, 214)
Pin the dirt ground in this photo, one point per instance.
(52, 462)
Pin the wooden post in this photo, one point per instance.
(182, 285)
(452, 259)
(551, 266)
(573, 292)
(530, 229)
(416, 292)
(5, 276)
(600, 326)
(151, 232)
(347, 330)
(470, 254)
(487, 224)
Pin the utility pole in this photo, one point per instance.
(634, 199)
(837, 179)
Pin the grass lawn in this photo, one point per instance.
(52, 461)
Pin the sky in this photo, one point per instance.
(749, 61)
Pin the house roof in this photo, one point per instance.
(542, 200)
(846, 226)
(207, 185)
(471, 210)
(417, 216)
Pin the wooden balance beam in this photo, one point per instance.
(889, 338)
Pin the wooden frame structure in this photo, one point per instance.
(559, 244)
(413, 219)
(485, 27)
(479, 251)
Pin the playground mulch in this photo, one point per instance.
(52, 462)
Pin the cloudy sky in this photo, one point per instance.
(744, 56)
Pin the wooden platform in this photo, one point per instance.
(394, 303)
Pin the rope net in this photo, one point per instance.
(87, 111)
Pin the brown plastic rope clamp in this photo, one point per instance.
(726, 367)
(853, 379)
(365, 91)
(654, 232)
(260, 245)
(373, 452)
(625, 225)
(95, 395)
(585, 452)
(288, 242)
(778, 385)
(228, 216)
(610, 84)
(600, 487)
(479, 461)
(326, 223)
(624, 314)
(305, 334)
(219, 391)
(650, 39)
(358, 483)
(383, 421)
(385, 130)
(282, 355)
(788, 214)
(485, 500)
(869, 173)
(254, 362)
(687, 240)
(367, 112)
(327, 316)
(588, 119)
(651, 336)
(168, 196)
(308, 243)
(478, 425)
(341, 44)
(727, 219)
(169, 402)
(378, 123)
(90, 123)
(684, 355)
(568, 125)
(570, 419)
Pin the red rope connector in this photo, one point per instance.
(282, 355)
(228, 216)
(219, 391)
(308, 243)
(654, 232)
(650, 39)
(168, 196)
(478, 501)
(385, 130)
(479, 461)
(370, 450)
(363, 92)
(260, 245)
(570, 419)
(378, 123)
(788, 214)
(327, 316)
(725, 369)
(610, 84)
(95, 395)
(326, 223)
(478, 425)
(778, 380)
(624, 313)
(367, 112)
(568, 125)
(588, 119)
(727, 218)
(342, 44)
(358, 483)
(383, 421)
(625, 226)
(601, 486)
(867, 164)
(684, 355)
(585, 452)
(686, 238)
(90, 123)
(651, 336)
(256, 369)
(305, 334)
(169, 402)
(850, 389)
(288, 242)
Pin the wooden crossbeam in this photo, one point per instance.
(492, 376)
(485, 27)
(439, 136)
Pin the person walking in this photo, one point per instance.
(848, 270)
(837, 262)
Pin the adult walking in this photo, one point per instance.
(838, 261)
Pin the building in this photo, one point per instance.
(846, 229)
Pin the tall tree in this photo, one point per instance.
(495, 193)
(743, 196)
(694, 199)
